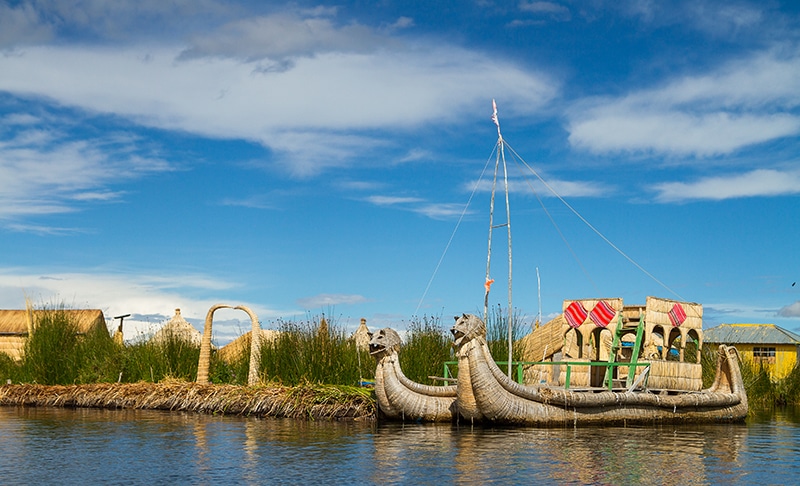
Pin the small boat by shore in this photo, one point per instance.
(400, 398)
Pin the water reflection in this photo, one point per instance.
(149, 447)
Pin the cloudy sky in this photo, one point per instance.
(312, 157)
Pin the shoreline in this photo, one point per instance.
(308, 402)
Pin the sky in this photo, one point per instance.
(316, 158)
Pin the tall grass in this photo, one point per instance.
(173, 356)
(56, 354)
(497, 334)
(428, 345)
(303, 352)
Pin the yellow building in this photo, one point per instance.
(767, 344)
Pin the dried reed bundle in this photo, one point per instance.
(312, 402)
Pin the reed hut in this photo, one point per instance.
(17, 325)
(362, 336)
(240, 347)
(771, 346)
(178, 328)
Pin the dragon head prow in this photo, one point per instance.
(466, 328)
(384, 342)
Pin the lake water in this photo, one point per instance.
(66, 446)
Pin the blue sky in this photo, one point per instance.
(318, 157)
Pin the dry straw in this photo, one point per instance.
(312, 402)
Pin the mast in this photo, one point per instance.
(501, 157)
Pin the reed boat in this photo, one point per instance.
(559, 403)
(599, 362)
(400, 398)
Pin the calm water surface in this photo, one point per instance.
(63, 446)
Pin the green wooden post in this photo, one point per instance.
(637, 346)
(608, 381)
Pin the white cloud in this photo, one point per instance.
(392, 200)
(304, 112)
(791, 310)
(44, 171)
(534, 185)
(22, 24)
(324, 300)
(283, 35)
(151, 295)
(551, 9)
(762, 182)
(740, 104)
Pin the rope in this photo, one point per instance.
(596, 231)
(452, 236)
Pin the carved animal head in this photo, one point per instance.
(384, 342)
(466, 328)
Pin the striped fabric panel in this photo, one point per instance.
(602, 314)
(575, 314)
(677, 315)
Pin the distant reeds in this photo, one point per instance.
(497, 334)
(312, 352)
(170, 356)
(762, 391)
(427, 346)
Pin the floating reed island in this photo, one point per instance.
(309, 401)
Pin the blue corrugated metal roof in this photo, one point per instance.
(750, 334)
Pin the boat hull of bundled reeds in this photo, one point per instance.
(501, 400)
(400, 398)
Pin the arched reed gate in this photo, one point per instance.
(205, 344)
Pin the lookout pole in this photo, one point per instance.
(501, 158)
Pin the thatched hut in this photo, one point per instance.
(178, 328)
(362, 336)
(17, 325)
(240, 347)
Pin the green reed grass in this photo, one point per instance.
(427, 346)
(497, 334)
(304, 353)
(172, 357)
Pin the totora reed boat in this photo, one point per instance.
(499, 399)
(599, 362)
(400, 398)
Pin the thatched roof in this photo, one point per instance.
(177, 327)
(14, 326)
(16, 321)
(241, 346)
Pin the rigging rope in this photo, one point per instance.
(453, 235)
(596, 231)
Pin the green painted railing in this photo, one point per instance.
(520, 367)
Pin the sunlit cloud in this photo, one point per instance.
(392, 200)
(552, 188)
(119, 294)
(304, 108)
(740, 104)
(45, 171)
(325, 300)
(762, 182)
(791, 310)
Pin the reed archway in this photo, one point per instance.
(205, 345)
